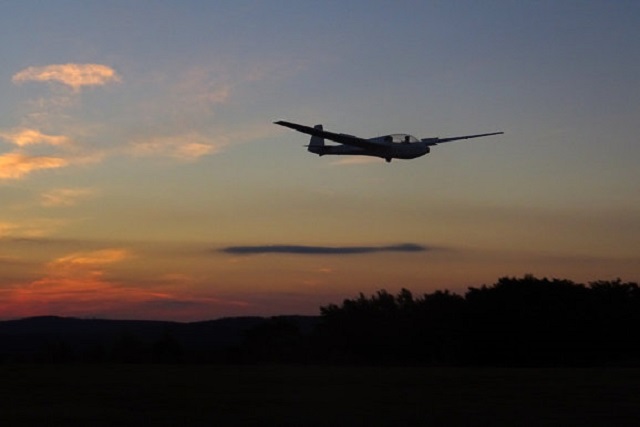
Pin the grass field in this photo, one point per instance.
(192, 395)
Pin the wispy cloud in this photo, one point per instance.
(6, 229)
(29, 229)
(48, 112)
(17, 165)
(26, 136)
(65, 196)
(75, 76)
(19, 162)
(194, 145)
(92, 259)
(322, 250)
(174, 121)
(59, 151)
(190, 146)
(201, 89)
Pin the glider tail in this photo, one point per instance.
(316, 144)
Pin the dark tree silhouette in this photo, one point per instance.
(368, 329)
(522, 321)
(440, 323)
(516, 321)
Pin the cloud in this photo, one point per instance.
(203, 87)
(30, 229)
(190, 146)
(25, 136)
(74, 75)
(65, 196)
(92, 259)
(62, 152)
(6, 228)
(194, 145)
(16, 165)
(322, 250)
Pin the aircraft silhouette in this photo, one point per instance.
(394, 146)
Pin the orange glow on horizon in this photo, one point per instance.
(78, 285)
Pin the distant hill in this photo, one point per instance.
(62, 339)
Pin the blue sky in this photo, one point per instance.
(137, 144)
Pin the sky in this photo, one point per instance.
(142, 177)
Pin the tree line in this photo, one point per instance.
(524, 321)
(515, 322)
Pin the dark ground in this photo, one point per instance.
(206, 395)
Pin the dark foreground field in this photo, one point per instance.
(182, 395)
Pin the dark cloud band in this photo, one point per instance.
(322, 250)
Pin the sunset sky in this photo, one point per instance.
(141, 176)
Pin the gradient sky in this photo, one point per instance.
(141, 176)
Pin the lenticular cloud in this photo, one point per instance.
(322, 250)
